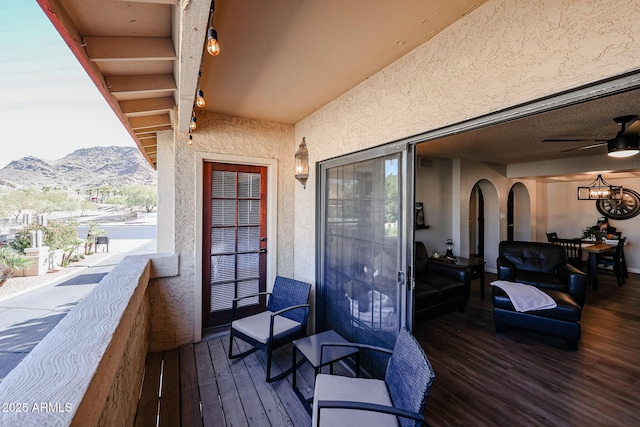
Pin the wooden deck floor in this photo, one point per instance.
(482, 378)
(233, 393)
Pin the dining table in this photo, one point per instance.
(592, 267)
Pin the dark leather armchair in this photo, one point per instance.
(545, 266)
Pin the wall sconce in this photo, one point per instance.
(302, 163)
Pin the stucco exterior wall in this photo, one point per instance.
(176, 301)
(504, 53)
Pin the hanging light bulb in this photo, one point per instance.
(213, 47)
(193, 125)
(200, 99)
(190, 141)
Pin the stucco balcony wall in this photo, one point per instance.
(88, 370)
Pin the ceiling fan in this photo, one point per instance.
(626, 142)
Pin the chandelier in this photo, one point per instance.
(599, 189)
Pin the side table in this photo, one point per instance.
(310, 347)
(474, 264)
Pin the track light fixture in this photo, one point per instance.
(213, 47)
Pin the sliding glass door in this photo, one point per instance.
(363, 252)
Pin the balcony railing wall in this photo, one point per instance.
(89, 368)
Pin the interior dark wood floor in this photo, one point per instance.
(521, 378)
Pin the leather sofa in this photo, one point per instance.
(439, 287)
(546, 267)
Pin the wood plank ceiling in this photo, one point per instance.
(126, 47)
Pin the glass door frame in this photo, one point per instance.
(405, 226)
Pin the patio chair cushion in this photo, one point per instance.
(257, 326)
(335, 387)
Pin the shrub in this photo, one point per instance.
(10, 260)
(56, 235)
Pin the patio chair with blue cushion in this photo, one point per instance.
(399, 399)
(284, 321)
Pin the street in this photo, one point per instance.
(115, 232)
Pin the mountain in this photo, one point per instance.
(96, 166)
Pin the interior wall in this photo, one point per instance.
(495, 188)
(434, 190)
(569, 216)
(540, 215)
(521, 212)
(446, 188)
(504, 53)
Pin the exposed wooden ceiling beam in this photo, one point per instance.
(150, 122)
(142, 133)
(151, 1)
(149, 142)
(195, 18)
(141, 84)
(102, 49)
(62, 21)
(145, 107)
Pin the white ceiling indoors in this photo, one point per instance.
(281, 60)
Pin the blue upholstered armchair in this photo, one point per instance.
(399, 399)
(284, 320)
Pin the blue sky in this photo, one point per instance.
(48, 105)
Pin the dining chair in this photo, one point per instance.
(574, 251)
(616, 261)
(399, 399)
(284, 321)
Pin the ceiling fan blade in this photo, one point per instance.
(633, 128)
(585, 147)
(568, 140)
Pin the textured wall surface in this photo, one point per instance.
(218, 135)
(504, 53)
(88, 370)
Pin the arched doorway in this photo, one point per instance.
(476, 222)
(519, 213)
(484, 222)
